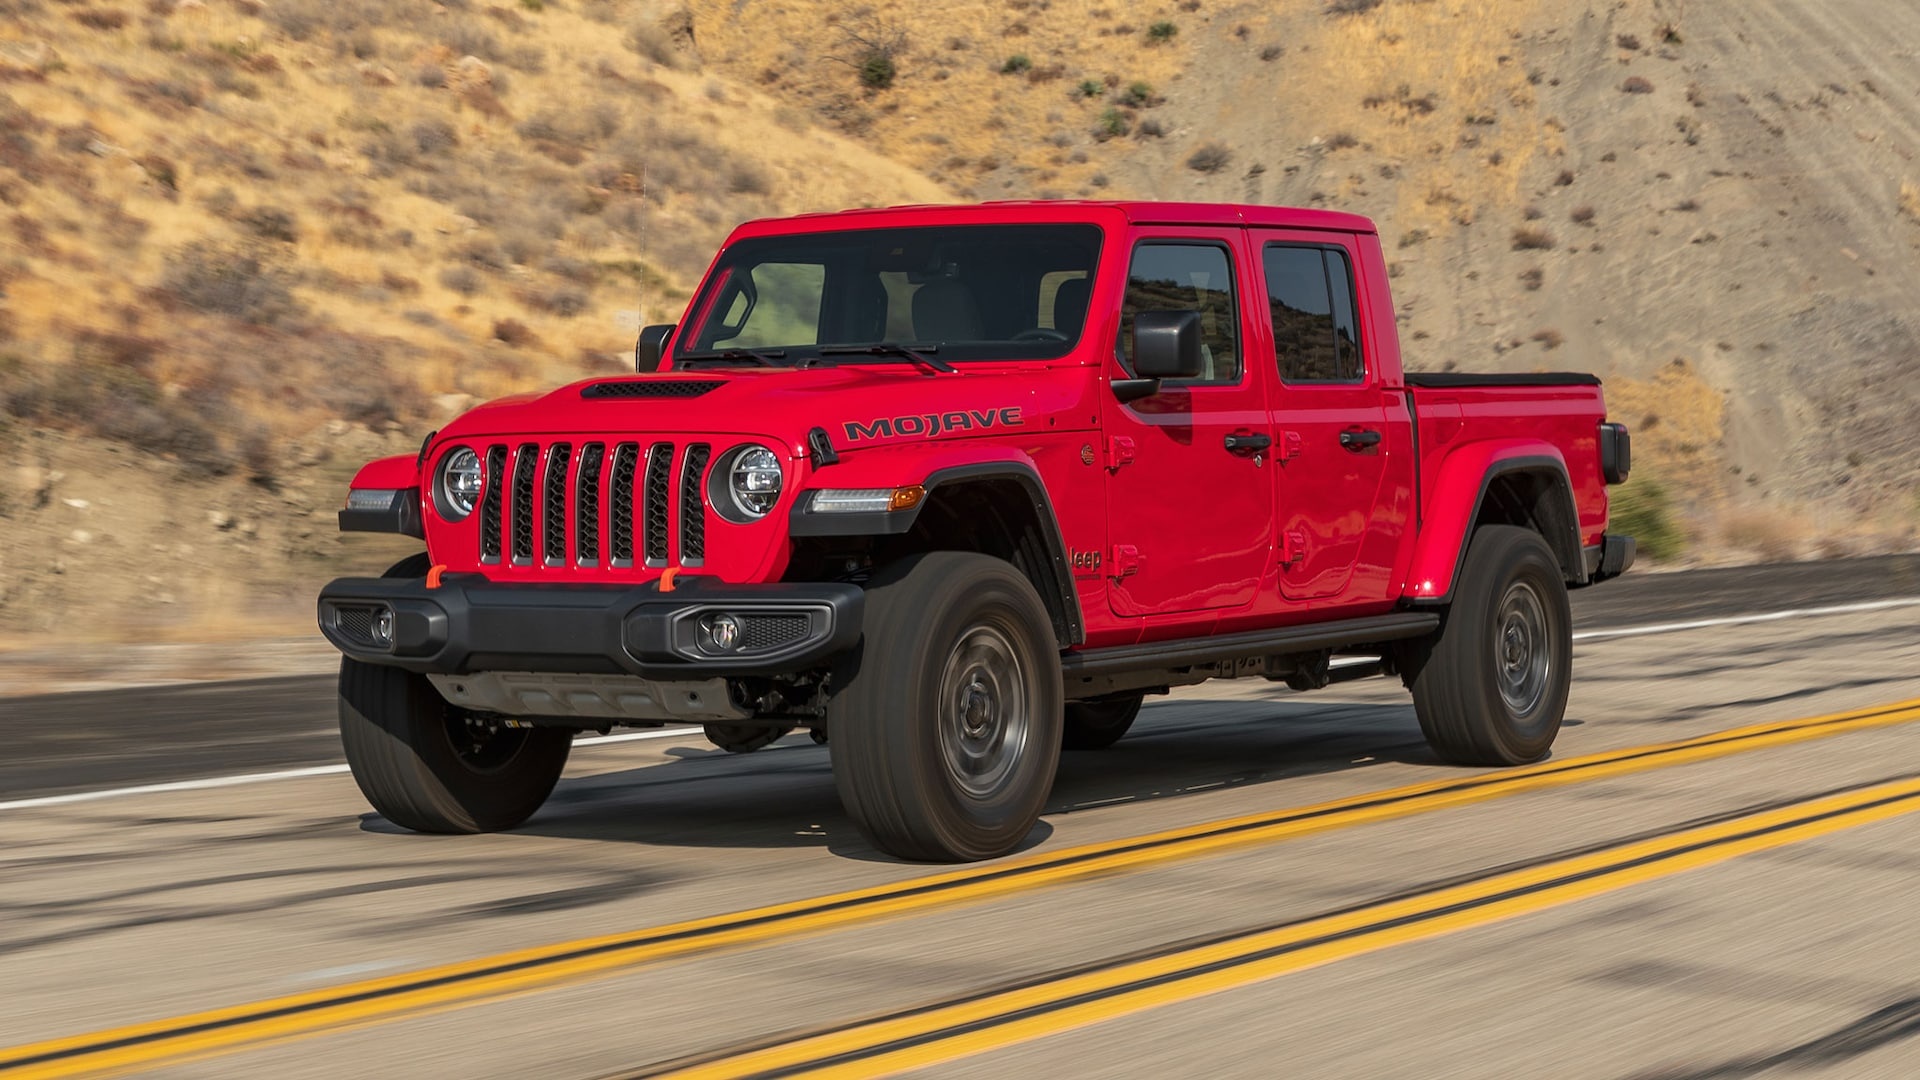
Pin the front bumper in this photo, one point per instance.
(469, 624)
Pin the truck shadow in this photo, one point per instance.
(783, 797)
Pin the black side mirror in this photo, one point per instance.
(652, 347)
(1166, 345)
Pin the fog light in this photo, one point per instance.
(383, 628)
(722, 632)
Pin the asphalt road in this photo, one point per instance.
(74, 742)
(1711, 878)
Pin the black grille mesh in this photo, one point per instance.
(620, 495)
(651, 388)
(771, 631)
(693, 511)
(490, 505)
(355, 622)
(586, 515)
(553, 505)
(659, 478)
(524, 462)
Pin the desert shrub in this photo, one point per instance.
(1139, 95)
(468, 38)
(1533, 279)
(1210, 158)
(1270, 53)
(654, 42)
(1629, 42)
(1582, 215)
(1090, 88)
(1533, 238)
(100, 19)
(1352, 7)
(1112, 124)
(1636, 85)
(461, 279)
(433, 135)
(1150, 129)
(1342, 140)
(1016, 64)
(566, 301)
(1549, 338)
(271, 223)
(1643, 509)
(513, 332)
(1161, 32)
(237, 283)
(748, 178)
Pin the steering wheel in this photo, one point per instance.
(1040, 333)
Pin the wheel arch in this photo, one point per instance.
(1523, 484)
(996, 507)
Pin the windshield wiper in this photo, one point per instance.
(763, 357)
(918, 354)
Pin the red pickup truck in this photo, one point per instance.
(954, 488)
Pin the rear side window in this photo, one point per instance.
(1316, 332)
(1187, 277)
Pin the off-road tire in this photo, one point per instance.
(964, 633)
(1479, 699)
(745, 738)
(1096, 725)
(399, 736)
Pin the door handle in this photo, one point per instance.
(1359, 439)
(1246, 442)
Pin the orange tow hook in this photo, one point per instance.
(433, 576)
(666, 579)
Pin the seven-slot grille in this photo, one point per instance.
(596, 506)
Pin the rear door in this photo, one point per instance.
(1339, 435)
(1189, 495)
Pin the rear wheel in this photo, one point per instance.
(1490, 686)
(1096, 725)
(430, 767)
(745, 738)
(946, 723)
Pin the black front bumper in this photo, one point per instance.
(470, 624)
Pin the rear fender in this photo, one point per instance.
(1485, 478)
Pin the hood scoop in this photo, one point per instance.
(651, 388)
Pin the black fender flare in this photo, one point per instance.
(1059, 595)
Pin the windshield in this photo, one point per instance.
(967, 292)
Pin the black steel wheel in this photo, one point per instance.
(946, 721)
(1490, 686)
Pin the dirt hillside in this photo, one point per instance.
(244, 245)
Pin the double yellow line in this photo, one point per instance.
(392, 997)
(926, 1036)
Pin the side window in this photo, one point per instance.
(1187, 277)
(785, 311)
(1316, 334)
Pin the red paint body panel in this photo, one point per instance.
(1217, 542)
(388, 474)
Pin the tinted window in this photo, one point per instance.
(1316, 335)
(1187, 277)
(974, 292)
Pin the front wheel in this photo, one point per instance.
(946, 720)
(430, 767)
(1490, 686)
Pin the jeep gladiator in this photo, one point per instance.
(954, 488)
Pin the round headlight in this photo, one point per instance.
(753, 481)
(459, 486)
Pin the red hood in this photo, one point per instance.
(848, 401)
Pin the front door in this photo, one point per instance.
(1335, 431)
(1190, 500)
